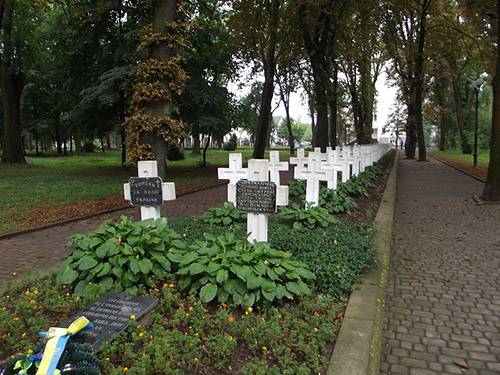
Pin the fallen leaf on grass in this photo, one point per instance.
(340, 317)
(463, 365)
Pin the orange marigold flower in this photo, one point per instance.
(27, 292)
(191, 308)
(15, 319)
(264, 348)
(125, 369)
(35, 292)
(132, 317)
(141, 334)
(230, 338)
(230, 319)
(32, 301)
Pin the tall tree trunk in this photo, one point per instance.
(196, 143)
(465, 145)
(316, 41)
(334, 108)
(78, 141)
(269, 63)
(57, 133)
(11, 86)
(411, 129)
(164, 13)
(123, 137)
(262, 131)
(491, 190)
(419, 89)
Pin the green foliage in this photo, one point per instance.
(233, 270)
(335, 201)
(297, 188)
(310, 217)
(123, 256)
(338, 255)
(174, 152)
(226, 215)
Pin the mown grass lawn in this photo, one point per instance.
(51, 180)
(483, 157)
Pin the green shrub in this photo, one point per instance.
(174, 152)
(122, 256)
(235, 271)
(226, 215)
(310, 217)
(231, 144)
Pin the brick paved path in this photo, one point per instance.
(443, 297)
(45, 248)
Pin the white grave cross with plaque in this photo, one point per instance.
(148, 190)
(313, 175)
(275, 166)
(234, 173)
(263, 189)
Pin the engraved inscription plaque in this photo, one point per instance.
(256, 196)
(146, 191)
(111, 314)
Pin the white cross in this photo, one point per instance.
(300, 161)
(313, 175)
(234, 173)
(323, 155)
(332, 164)
(258, 170)
(148, 168)
(275, 166)
(353, 160)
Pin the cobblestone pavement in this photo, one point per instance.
(443, 295)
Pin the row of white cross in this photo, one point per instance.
(314, 168)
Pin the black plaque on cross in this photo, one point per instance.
(111, 314)
(146, 191)
(258, 197)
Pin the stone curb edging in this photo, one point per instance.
(358, 347)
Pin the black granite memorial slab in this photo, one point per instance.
(111, 314)
(257, 197)
(146, 191)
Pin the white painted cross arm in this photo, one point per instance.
(300, 161)
(234, 173)
(313, 175)
(275, 166)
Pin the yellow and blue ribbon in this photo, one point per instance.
(56, 342)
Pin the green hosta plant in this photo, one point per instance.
(122, 255)
(336, 201)
(297, 188)
(225, 215)
(233, 270)
(310, 217)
